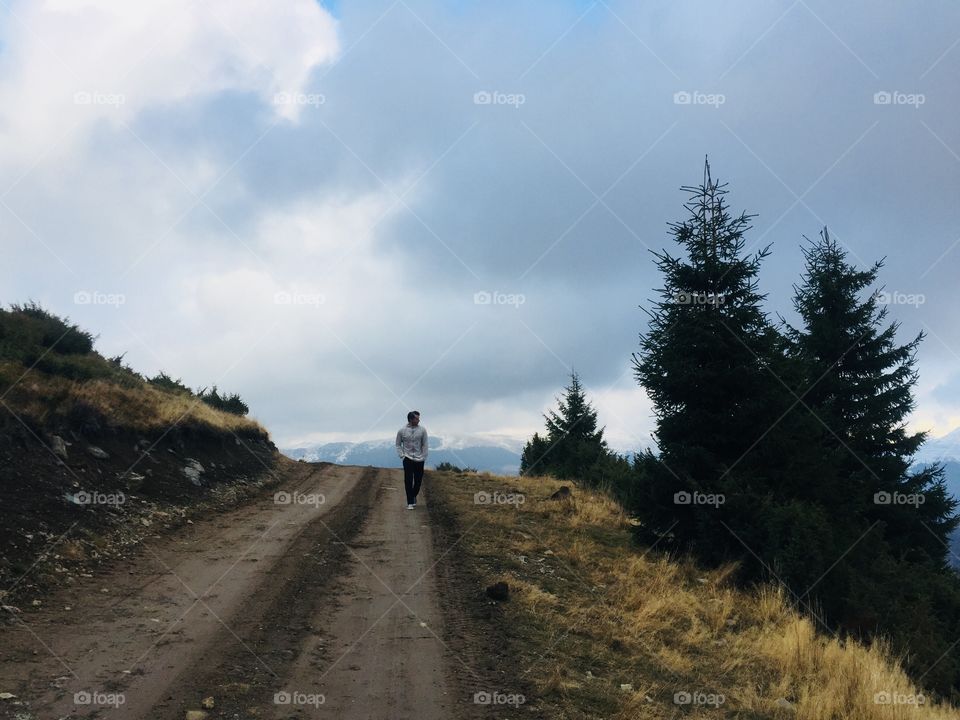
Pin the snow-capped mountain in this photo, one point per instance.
(941, 448)
(498, 454)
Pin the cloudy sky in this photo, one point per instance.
(346, 210)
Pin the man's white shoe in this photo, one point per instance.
(409, 507)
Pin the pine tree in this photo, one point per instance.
(572, 443)
(860, 388)
(890, 524)
(534, 452)
(710, 363)
(803, 435)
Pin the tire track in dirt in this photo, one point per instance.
(381, 655)
(250, 655)
(304, 611)
(146, 627)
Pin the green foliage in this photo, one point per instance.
(228, 403)
(123, 374)
(166, 382)
(38, 339)
(53, 332)
(573, 448)
(860, 385)
(859, 388)
(711, 364)
(28, 331)
(797, 436)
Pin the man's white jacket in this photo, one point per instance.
(412, 442)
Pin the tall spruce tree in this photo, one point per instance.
(803, 435)
(572, 444)
(711, 364)
(889, 524)
(860, 387)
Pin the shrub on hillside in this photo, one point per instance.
(123, 374)
(450, 467)
(51, 331)
(165, 382)
(227, 403)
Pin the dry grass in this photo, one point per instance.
(142, 407)
(606, 629)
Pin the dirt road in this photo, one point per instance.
(321, 606)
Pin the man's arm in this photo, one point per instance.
(400, 442)
(423, 448)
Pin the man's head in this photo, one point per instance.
(413, 417)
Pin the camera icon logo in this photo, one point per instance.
(482, 698)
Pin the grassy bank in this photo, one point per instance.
(603, 628)
(93, 455)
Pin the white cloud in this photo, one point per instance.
(324, 227)
(70, 64)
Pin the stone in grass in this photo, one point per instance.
(562, 494)
(785, 704)
(499, 591)
(96, 452)
(59, 447)
(195, 715)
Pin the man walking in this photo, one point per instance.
(412, 448)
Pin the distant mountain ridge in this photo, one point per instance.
(498, 454)
(945, 450)
(946, 447)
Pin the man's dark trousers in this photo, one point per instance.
(412, 477)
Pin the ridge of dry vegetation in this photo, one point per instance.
(604, 628)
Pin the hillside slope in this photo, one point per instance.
(602, 628)
(93, 455)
